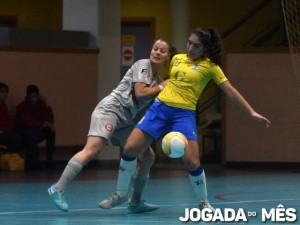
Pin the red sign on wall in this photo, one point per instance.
(127, 55)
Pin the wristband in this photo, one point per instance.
(160, 86)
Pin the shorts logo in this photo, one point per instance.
(109, 127)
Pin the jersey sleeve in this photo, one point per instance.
(218, 75)
(141, 72)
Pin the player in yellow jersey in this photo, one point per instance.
(188, 78)
(174, 109)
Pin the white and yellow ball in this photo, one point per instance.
(174, 144)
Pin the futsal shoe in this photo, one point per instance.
(58, 199)
(206, 205)
(112, 201)
(141, 207)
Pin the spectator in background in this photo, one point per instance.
(35, 122)
(9, 139)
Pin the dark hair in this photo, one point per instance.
(4, 87)
(172, 50)
(212, 43)
(32, 89)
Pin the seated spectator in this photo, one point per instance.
(35, 121)
(9, 139)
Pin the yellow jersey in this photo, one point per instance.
(188, 79)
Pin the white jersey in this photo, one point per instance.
(141, 72)
(113, 116)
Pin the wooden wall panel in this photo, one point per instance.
(69, 80)
(268, 82)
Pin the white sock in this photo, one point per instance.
(198, 181)
(126, 170)
(72, 169)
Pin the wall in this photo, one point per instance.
(87, 11)
(267, 81)
(68, 79)
(34, 14)
(210, 13)
(37, 14)
(207, 13)
(159, 9)
(223, 14)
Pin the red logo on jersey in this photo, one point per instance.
(109, 127)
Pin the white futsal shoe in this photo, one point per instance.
(206, 205)
(112, 201)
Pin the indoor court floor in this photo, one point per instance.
(245, 193)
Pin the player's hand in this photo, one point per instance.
(261, 119)
(165, 82)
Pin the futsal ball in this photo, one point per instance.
(174, 144)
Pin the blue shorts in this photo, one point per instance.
(161, 119)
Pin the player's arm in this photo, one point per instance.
(142, 90)
(240, 101)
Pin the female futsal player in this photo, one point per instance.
(112, 120)
(174, 109)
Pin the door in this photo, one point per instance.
(137, 39)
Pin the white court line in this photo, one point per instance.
(110, 220)
(118, 208)
(237, 202)
(57, 210)
(254, 201)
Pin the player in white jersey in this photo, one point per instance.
(112, 120)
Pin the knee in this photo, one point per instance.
(192, 163)
(150, 156)
(147, 157)
(90, 152)
(131, 150)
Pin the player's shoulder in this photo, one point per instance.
(142, 62)
(179, 57)
(142, 66)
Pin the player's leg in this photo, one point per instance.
(139, 181)
(137, 141)
(196, 173)
(92, 148)
(185, 122)
(141, 175)
(103, 123)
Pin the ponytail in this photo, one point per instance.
(211, 42)
(173, 51)
(215, 47)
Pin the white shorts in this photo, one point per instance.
(111, 121)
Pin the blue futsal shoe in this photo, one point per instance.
(141, 207)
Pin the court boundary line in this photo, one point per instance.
(161, 206)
